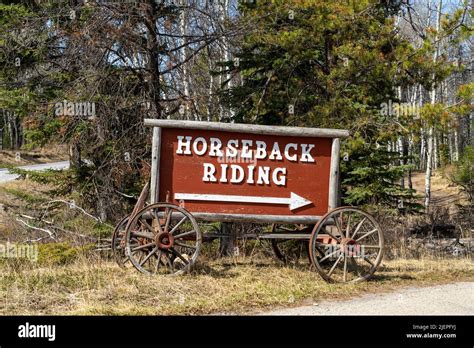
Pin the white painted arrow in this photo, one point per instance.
(294, 201)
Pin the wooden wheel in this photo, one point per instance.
(352, 243)
(290, 250)
(118, 243)
(163, 238)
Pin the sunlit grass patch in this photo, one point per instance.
(229, 285)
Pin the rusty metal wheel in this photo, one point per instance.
(118, 243)
(352, 243)
(163, 238)
(290, 251)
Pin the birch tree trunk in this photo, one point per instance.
(410, 152)
(435, 150)
(422, 150)
(456, 145)
(429, 155)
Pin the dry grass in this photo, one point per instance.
(51, 154)
(18, 195)
(240, 286)
(443, 192)
(92, 285)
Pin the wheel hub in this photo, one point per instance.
(164, 240)
(350, 247)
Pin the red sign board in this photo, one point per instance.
(237, 173)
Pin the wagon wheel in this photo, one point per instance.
(118, 242)
(352, 243)
(163, 238)
(290, 250)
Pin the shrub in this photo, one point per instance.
(57, 254)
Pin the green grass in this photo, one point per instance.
(23, 195)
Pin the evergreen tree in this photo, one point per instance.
(328, 64)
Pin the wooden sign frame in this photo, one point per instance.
(334, 134)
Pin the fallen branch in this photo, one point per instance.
(50, 234)
(73, 205)
(59, 228)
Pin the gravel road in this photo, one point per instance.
(450, 299)
(5, 175)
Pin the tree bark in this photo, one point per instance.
(185, 77)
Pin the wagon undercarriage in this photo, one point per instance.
(346, 245)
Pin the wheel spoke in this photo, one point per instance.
(147, 226)
(185, 234)
(167, 219)
(348, 228)
(329, 255)
(170, 262)
(321, 252)
(158, 261)
(366, 235)
(331, 235)
(335, 264)
(185, 245)
(366, 259)
(344, 276)
(358, 227)
(143, 246)
(157, 219)
(148, 256)
(178, 224)
(339, 228)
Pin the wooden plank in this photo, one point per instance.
(297, 219)
(249, 128)
(303, 236)
(299, 236)
(155, 165)
(334, 174)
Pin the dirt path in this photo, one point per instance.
(450, 299)
(443, 192)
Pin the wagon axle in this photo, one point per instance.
(164, 240)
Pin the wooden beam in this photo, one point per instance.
(297, 219)
(249, 128)
(155, 165)
(282, 219)
(334, 174)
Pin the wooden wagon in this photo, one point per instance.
(284, 176)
